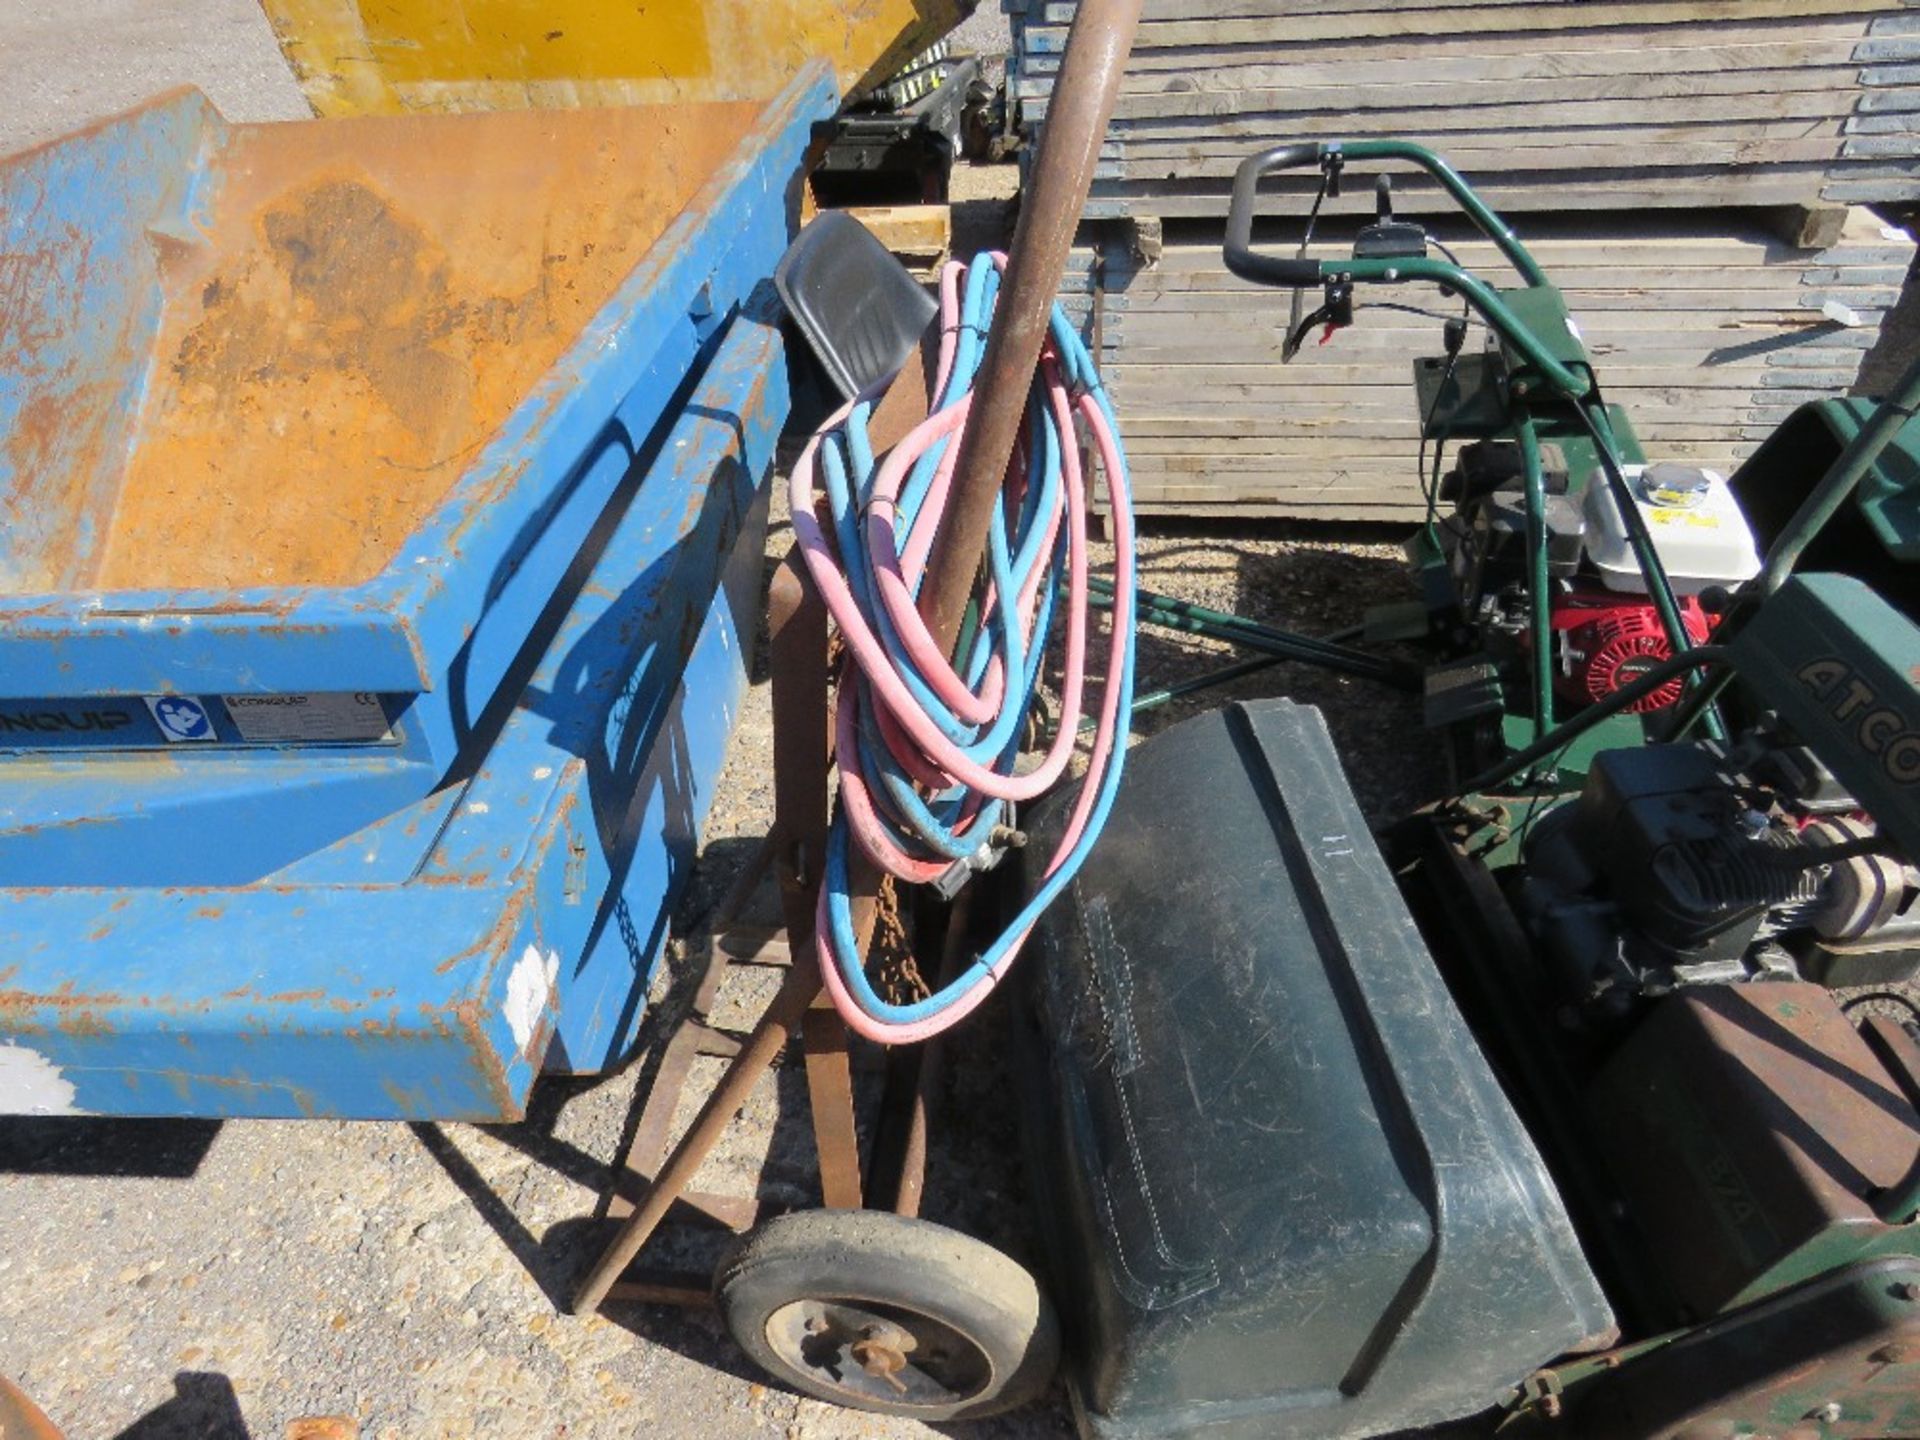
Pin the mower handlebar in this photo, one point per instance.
(1242, 259)
(1249, 264)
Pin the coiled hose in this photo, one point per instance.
(927, 751)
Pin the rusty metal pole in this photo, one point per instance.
(21, 1419)
(1056, 192)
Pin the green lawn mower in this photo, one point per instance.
(1583, 1100)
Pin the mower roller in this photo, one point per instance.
(1583, 1099)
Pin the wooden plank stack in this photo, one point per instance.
(1547, 104)
(1684, 169)
(1709, 332)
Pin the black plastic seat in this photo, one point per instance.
(861, 311)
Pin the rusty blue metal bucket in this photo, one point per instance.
(380, 505)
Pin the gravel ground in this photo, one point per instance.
(1312, 582)
(987, 34)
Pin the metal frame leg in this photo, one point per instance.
(830, 1087)
(797, 623)
(797, 632)
(697, 1037)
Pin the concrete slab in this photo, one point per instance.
(64, 64)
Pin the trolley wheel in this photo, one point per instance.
(879, 1312)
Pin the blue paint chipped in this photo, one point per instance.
(210, 929)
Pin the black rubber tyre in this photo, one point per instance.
(874, 1311)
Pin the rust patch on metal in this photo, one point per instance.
(472, 1024)
(183, 1083)
(58, 465)
(1742, 1123)
(84, 1024)
(60, 448)
(373, 300)
(66, 998)
(519, 901)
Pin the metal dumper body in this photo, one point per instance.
(383, 507)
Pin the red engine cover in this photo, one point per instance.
(1609, 640)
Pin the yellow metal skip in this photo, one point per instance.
(366, 57)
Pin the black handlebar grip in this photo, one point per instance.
(1241, 257)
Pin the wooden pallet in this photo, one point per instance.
(1548, 105)
(1709, 329)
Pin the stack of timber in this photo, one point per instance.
(1692, 172)
(1544, 104)
(1709, 329)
